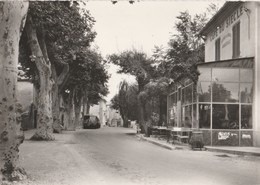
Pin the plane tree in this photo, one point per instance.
(86, 85)
(126, 102)
(138, 64)
(12, 19)
(54, 32)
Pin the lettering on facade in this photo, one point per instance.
(226, 40)
(229, 21)
(226, 135)
(246, 136)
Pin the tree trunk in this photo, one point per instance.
(71, 112)
(12, 19)
(88, 108)
(56, 96)
(44, 104)
(77, 115)
(78, 103)
(56, 109)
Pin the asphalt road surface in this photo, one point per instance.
(115, 156)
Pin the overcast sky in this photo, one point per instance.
(142, 25)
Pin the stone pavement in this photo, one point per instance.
(251, 151)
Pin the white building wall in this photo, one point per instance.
(224, 32)
(256, 106)
(249, 47)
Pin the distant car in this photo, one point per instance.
(91, 122)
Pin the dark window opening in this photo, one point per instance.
(217, 49)
(236, 40)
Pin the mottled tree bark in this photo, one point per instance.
(78, 103)
(70, 112)
(58, 81)
(44, 101)
(85, 103)
(12, 19)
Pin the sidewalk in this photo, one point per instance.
(251, 151)
(162, 143)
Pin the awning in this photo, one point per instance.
(236, 63)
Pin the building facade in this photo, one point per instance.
(100, 111)
(224, 102)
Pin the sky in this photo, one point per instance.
(142, 25)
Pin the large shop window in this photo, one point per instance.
(225, 92)
(246, 92)
(187, 122)
(225, 116)
(225, 75)
(236, 40)
(204, 91)
(204, 115)
(225, 97)
(187, 95)
(246, 117)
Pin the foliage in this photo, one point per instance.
(64, 29)
(89, 73)
(126, 101)
(134, 63)
(185, 48)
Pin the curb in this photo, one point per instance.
(232, 151)
(156, 143)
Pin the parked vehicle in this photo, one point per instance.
(91, 122)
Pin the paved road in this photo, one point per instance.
(114, 156)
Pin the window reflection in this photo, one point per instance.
(225, 116)
(187, 94)
(246, 92)
(225, 75)
(204, 115)
(246, 116)
(246, 75)
(204, 90)
(187, 117)
(172, 100)
(205, 74)
(194, 115)
(225, 92)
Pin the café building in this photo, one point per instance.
(225, 101)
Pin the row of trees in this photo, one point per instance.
(147, 99)
(51, 41)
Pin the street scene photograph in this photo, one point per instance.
(129, 92)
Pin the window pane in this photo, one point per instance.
(187, 93)
(246, 75)
(204, 89)
(225, 116)
(187, 116)
(225, 92)
(194, 117)
(225, 75)
(246, 116)
(205, 74)
(204, 115)
(246, 92)
(173, 116)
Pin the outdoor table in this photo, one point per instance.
(162, 131)
(154, 130)
(181, 134)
